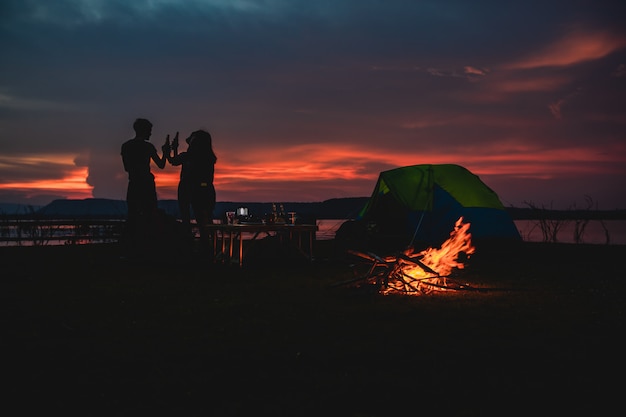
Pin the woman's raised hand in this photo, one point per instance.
(175, 142)
(166, 148)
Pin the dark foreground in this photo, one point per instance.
(88, 333)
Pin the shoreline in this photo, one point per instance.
(335, 208)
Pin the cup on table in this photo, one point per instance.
(230, 217)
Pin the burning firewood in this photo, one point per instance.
(417, 273)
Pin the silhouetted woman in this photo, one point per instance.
(195, 188)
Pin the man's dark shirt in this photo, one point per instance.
(141, 196)
(136, 158)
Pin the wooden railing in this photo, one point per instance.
(59, 231)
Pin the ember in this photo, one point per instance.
(423, 272)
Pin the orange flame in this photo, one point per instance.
(428, 270)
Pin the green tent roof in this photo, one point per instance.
(412, 186)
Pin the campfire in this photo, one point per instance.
(422, 272)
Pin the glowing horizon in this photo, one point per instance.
(326, 164)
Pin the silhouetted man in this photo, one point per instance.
(141, 196)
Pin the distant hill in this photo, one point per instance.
(12, 209)
(93, 208)
(100, 208)
(336, 208)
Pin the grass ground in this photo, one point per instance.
(90, 333)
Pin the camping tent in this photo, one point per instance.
(420, 204)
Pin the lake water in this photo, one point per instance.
(595, 232)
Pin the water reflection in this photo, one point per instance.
(530, 230)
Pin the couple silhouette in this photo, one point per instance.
(196, 192)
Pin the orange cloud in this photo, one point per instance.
(72, 185)
(474, 71)
(572, 49)
(315, 172)
(343, 163)
(530, 84)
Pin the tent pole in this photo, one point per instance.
(416, 229)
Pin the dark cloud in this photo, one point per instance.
(420, 81)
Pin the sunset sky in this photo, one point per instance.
(310, 100)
